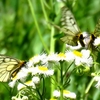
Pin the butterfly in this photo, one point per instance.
(9, 67)
(72, 33)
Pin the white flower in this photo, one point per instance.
(61, 56)
(29, 64)
(16, 98)
(36, 59)
(52, 57)
(97, 41)
(28, 83)
(20, 86)
(13, 98)
(69, 94)
(85, 53)
(56, 57)
(36, 80)
(24, 98)
(12, 83)
(21, 74)
(97, 78)
(69, 56)
(33, 70)
(83, 57)
(44, 70)
(41, 70)
(56, 93)
(66, 94)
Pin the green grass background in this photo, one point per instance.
(20, 37)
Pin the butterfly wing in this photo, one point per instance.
(70, 27)
(97, 29)
(9, 67)
(97, 33)
(94, 36)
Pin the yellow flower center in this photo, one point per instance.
(77, 53)
(61, 55)
(43, 68)
(53, 99)
(14, 78)
(28, 82)
(66, 92)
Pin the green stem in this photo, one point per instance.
(39, 94)
(44, 12)
(67, 69)
(30, 90)
(43, 92)
(61, 82)
(37, 26)
(52, 79)
(61, 94)
(89, 86)
(52, 43)
(46, 4)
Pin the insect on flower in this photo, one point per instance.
(73, 35)
(9, 67)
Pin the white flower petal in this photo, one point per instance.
(36, 80)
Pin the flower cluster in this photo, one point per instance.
(39, 66)
(82, 57)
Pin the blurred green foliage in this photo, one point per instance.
(19, 36)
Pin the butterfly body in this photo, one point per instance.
(9, 67)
